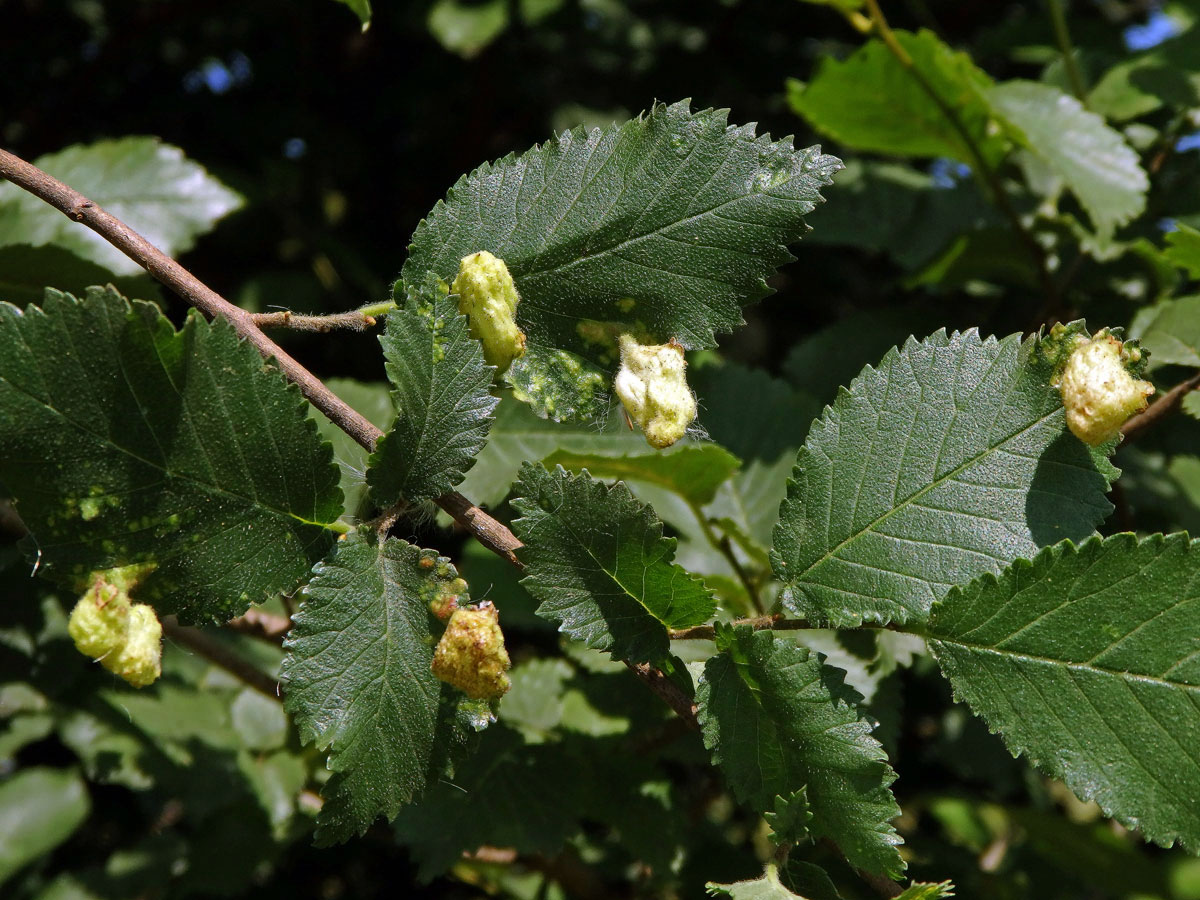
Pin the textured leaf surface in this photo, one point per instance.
(126, 442)
(693, 471)
(1172, 333)
(443, 404)
(950, 460)
(597, 561)
(1087, 660)
(1183, 249)
(777, 719)
(869, 101)
(670, 222)
(150, 186)
(1092, 159)
(358, 680)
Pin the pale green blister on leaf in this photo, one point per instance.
(358, 680)
(950, 459)
(127, 442)
(1085, 661)
(441, 391)
(663, 227)
(596, 559)
(777, 719)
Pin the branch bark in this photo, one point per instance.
(1163, 406)
(220, 655)
(78, 208)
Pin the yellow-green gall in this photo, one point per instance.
(652, 385)
(124, 637)
(471, 654)
(1099, 391)
(487, 296)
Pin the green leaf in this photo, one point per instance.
(128, 442)
(777, 719)
(1183, 249)
(466, 28)
(769, 887)
(150, 186)
(362, 9)
(693, 471)
(790, 818)
(510, 794)
(1171, 333)
(898, 210)
(559, 385)
(664, 226)
(443, 404)
(26, 272)
(1091, 158)
(949, 460)
(1191, 404)
(927, 891)
(518, 435)
(597, 561)
(358, 680)
(1167, 74)
(754, 416)
(39, 809)
(373, 400)
(1085, 661)
(870, 101)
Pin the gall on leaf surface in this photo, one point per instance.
(948, 460)
(1086, 661)
(358, 680)
(127, 442)
(663, 227)
(777, 719)
(596, 558)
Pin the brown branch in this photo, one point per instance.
(220, 655)
(667, 691)
(351, 321)
(79, 208)
(1163, 406)
(262, 625)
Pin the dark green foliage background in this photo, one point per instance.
(390, 119)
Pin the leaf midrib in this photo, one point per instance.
(1154, 680)
(904, 504)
